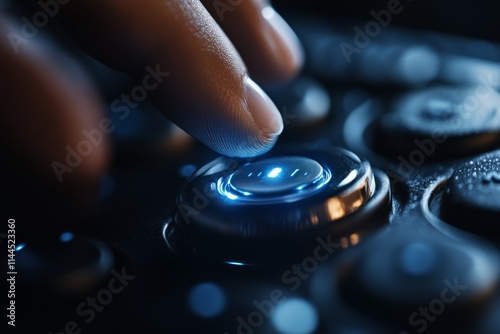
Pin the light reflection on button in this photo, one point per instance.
(349, 178)
(283, 177)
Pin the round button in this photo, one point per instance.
(441, 122)
(69, 265)
(274, 207)
(280, 177)
(400, 275)
(471, 197)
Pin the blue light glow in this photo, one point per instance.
(221, 188)
(66, 236)
(295, 316)
(20, 246)
(186, 170)
(273, 181)
(207, 300)
(418, 259)
(274, 172)
(233, 263)
(230, 196)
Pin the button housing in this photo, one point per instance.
(469, 199)
(282, 221)
(441, 121)
(399, 272)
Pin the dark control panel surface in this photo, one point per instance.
(378, 211)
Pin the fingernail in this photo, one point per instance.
(262, 108)
(286, 43)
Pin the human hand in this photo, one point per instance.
(201, 79)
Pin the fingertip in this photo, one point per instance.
(256, 128)
(263, 110)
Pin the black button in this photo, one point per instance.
(471, 199)
(441, 122)
(427, 277)
(66, 266)
(274, 207)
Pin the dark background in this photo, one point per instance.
(468, 18)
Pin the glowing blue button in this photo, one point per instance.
(276, 177)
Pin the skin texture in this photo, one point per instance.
(275, 53)
(207, 92)
(208, 63)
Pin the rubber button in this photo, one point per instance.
(66, 266)
(273, 208)
(403, 275)
(472, 196)
(441, 122)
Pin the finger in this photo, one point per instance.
(185, 63)
(267, 44)
(45, 122)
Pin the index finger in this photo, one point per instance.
(185, 63)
